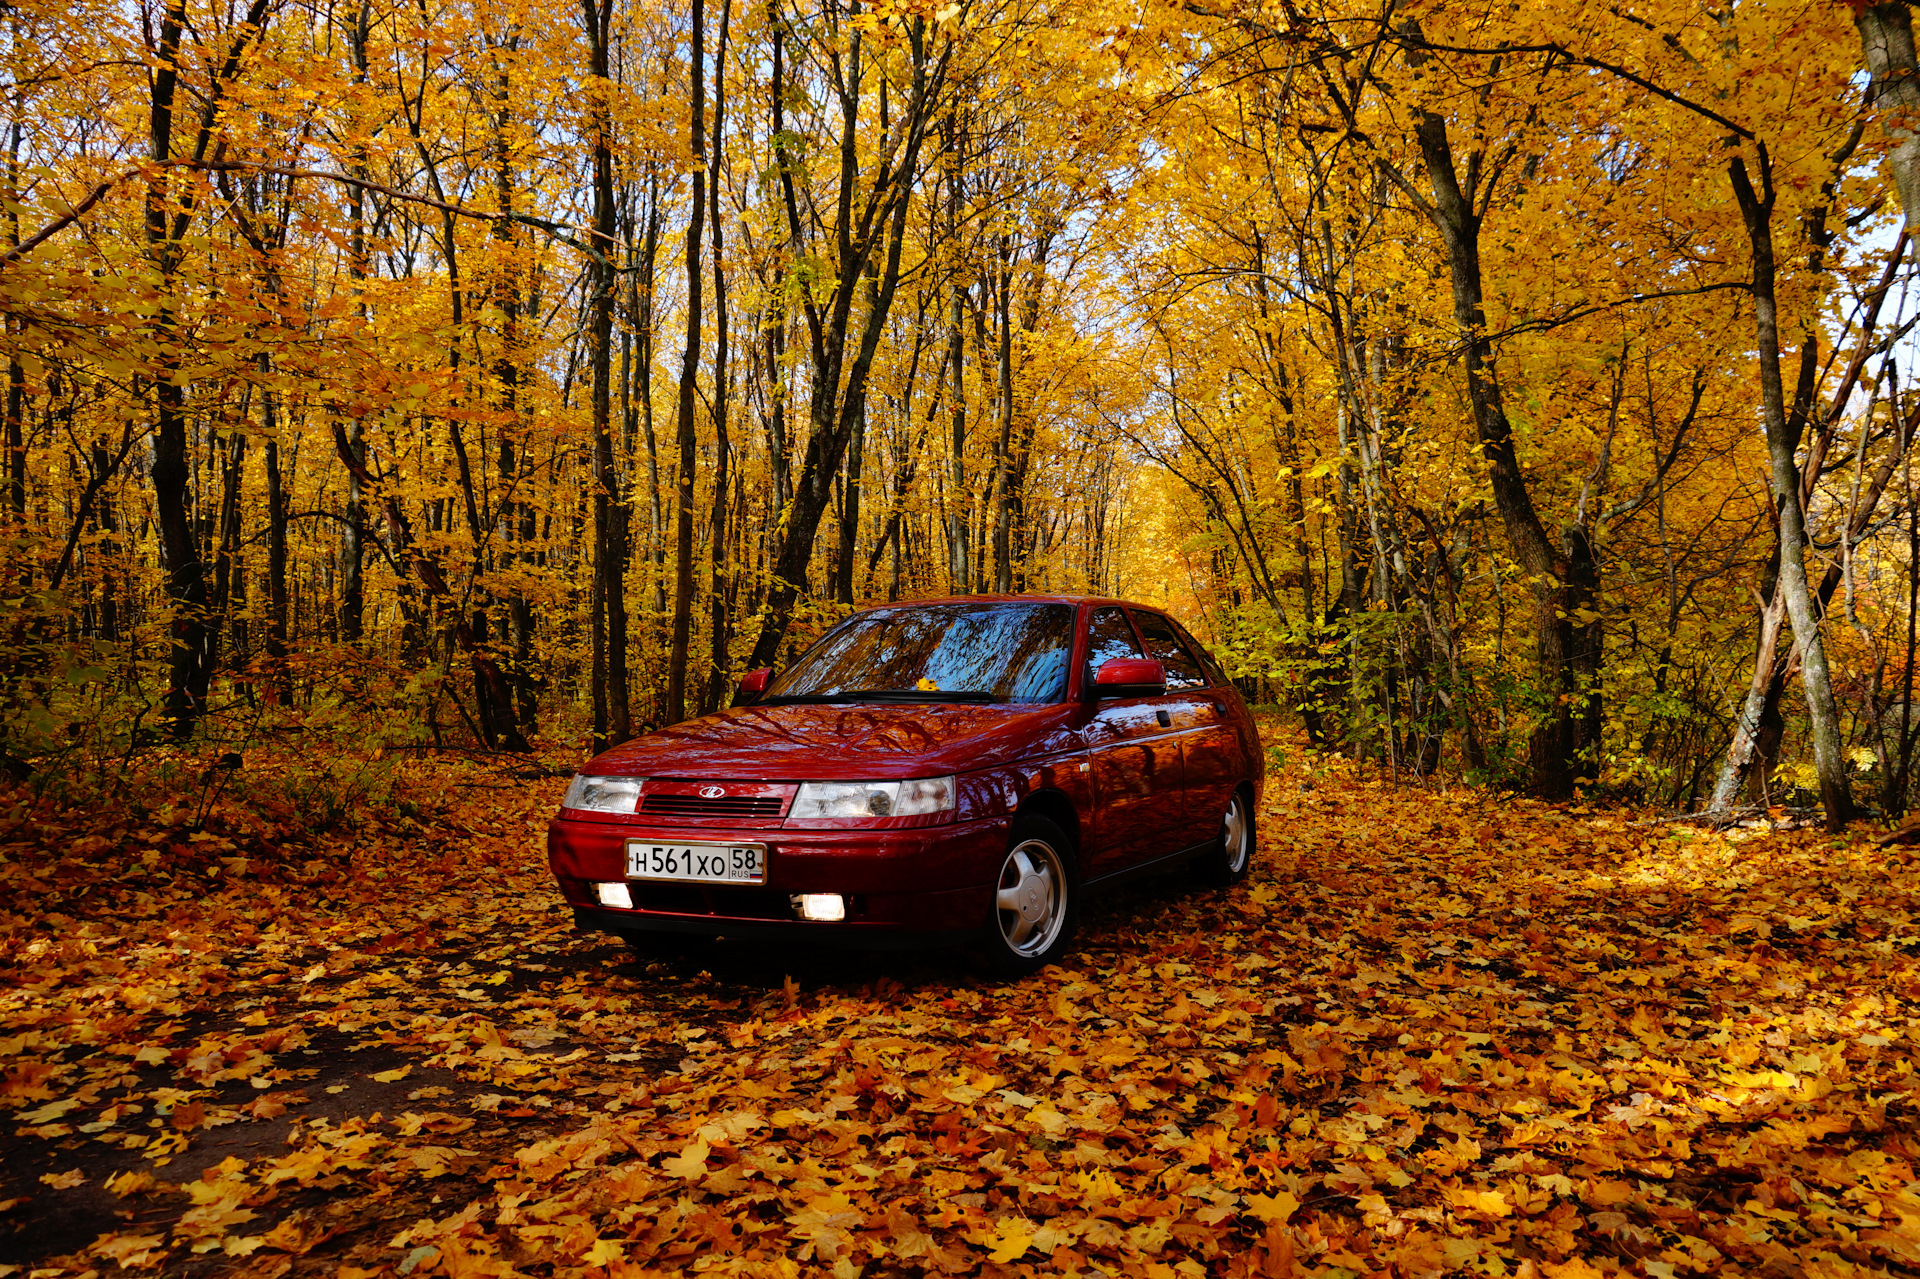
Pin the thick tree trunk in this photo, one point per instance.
(1886, 45)
(189, 672)
(1557, 590)
(719, 588)
(612, 707)
(689, 405)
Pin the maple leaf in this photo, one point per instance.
(1272, 1209)
(130, 1251)
(1009, 1240)
(824, 1223)
(1485, 1203)
(604, 1253)
(690, 1164)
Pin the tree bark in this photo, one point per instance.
(168, 216)
(515, 514)
(850, 514)
(612, 721)
(1756, 208)
(684, 416)
(1886, 45)
(1560, 594)
(720, 590)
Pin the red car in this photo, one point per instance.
(932, 771)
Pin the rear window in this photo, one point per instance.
(1110, 636)
(1215, 674)
(1183, 668)
(1004, 652)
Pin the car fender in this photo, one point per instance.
(1059, 786)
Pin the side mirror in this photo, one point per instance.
(754, 683)
(1130, 677)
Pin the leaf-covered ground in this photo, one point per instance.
(1435, 1032)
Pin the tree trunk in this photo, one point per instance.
(1886, 45)
(850, 514)
(869, 232)
(720, 588)
(612, 722)
(279, 678)
(1557, 592)
(1756, 208)
(684, 416)
(959, 559)
(353, 535)
(996, 509)
(188, 670)
(486, 671)
(514, 518)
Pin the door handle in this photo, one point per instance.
(1166, 720)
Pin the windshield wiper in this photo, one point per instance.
(908, 695)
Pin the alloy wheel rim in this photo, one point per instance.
(1233, 835)
(1030, 901)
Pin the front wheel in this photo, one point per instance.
(1228, 861)
(1036, 901)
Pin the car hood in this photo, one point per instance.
(827, 743)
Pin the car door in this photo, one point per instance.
(1135, 756)
(1211, 756)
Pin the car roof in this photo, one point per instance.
(1013, 599)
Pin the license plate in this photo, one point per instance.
(701, 863)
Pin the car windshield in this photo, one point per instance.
(954, 652)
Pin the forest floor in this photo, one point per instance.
(1437, 1030)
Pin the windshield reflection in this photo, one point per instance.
(951, 652)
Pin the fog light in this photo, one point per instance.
(825, 908)
(614, 895)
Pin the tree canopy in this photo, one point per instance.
(1510, 391)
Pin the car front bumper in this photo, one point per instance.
(902, 887)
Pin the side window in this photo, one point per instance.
(1108, 637)
(1214, 674)
(1183, 669)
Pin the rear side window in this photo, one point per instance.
(1110, 636)
(1183, 668)
(1214, 674)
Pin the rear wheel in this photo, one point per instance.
(1036, 900)
(1228, 861)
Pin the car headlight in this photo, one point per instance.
(603, 794)
(874, 799)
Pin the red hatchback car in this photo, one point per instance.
(931, 771)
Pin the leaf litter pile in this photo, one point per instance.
(1434, 1032)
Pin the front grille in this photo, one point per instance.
(674, 899)
(727, 903)
(724, 806)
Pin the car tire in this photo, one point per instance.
(1036, 900)
(1231, 856)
